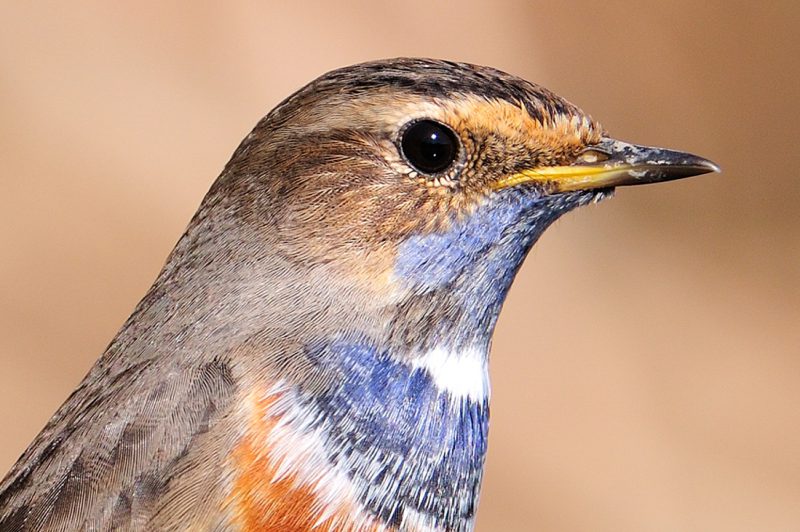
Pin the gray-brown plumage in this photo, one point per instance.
(313, 353)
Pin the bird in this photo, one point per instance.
(314, 353)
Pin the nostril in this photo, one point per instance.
(592, 157)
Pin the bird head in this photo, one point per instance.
(399, 197)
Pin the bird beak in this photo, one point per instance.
(613, 163)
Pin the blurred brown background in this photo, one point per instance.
(646, 368)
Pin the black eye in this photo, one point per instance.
(429, 146)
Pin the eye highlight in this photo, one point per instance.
(430, 147)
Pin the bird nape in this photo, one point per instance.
(313, 354)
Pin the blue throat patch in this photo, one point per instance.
(405, 443)
(472, 264)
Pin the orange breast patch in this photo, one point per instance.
(266, 498)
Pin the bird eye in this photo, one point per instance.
(428, 146)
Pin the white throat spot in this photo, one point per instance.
(464, 374)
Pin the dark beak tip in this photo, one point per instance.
(717, 169)
(687, 166)
(677, 168)
(686, 169)
(706, 167)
